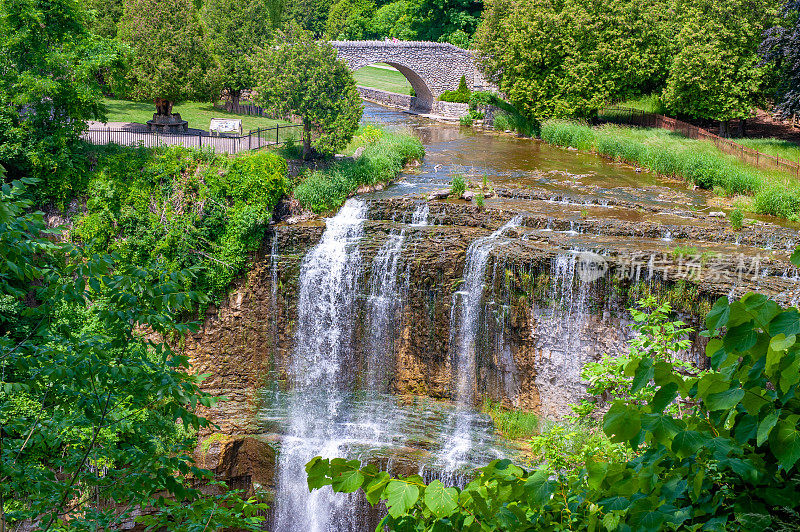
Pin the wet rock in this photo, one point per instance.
(439, 194)
(240, 461)
(468, 195)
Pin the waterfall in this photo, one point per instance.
(273, 300)
(383, 306)
(321, 373)
(560, 334)
(420, 216)
(464, 325)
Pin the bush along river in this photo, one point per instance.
(377, 333)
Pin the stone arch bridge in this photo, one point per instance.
(430, 67)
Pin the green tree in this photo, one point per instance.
(781, 46)
(350, 20)
(235, 29)
(728, 460)
(717, 73)
(105, 16)
(438, 19)
(304, 78)
(311, 15)
(395, 20)
(48, 91)
(171, 61)
(569, 58)
(97, 417)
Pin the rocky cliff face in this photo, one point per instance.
(542, 315)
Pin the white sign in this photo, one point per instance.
(225, 125)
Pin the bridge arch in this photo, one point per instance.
(430, 67)
(424, 99)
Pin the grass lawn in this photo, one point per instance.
(784, 149)
(198, 114)
(382, 78)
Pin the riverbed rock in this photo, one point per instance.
(239, 461)
(468, 195)
(717, 214)
(439, 194)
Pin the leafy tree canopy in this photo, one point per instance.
(567, 58)
(717, 73)
(350, 20)
(782, 47)
(96, 418)
(48, 90)
(171, 58)
(302, 77)
(235, 29)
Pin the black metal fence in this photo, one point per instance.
(223, 143)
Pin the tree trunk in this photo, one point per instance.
(306, 141)
(724, 130)
(742, 126)
(163, 107)
(233, 101)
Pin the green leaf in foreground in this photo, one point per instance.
(401, 497)
(440, 500)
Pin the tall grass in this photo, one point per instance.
(382, 160)
(513, 424)
(670, 154)
(784, 149)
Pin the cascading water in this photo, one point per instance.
(320, 373)
(383, 305)
(560, 331)
(273, 300)
(420, 216)
(464, 325)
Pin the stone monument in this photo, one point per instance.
(165, 121)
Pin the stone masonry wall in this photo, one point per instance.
(430, 67)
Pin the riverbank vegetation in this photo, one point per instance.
(670, 154)
(690, 450)
(383, 157)
(93, 410)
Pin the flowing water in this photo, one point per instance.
(338, 401)
(321, 372)
(464, 325)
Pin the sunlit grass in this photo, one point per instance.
(385, 79)
(198, 114)
(775, 147)
(670, 154)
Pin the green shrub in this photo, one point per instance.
(460, 95)
(185, 208)
(479, 200)
(454, 97)
(465, 121)
(736, 218)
